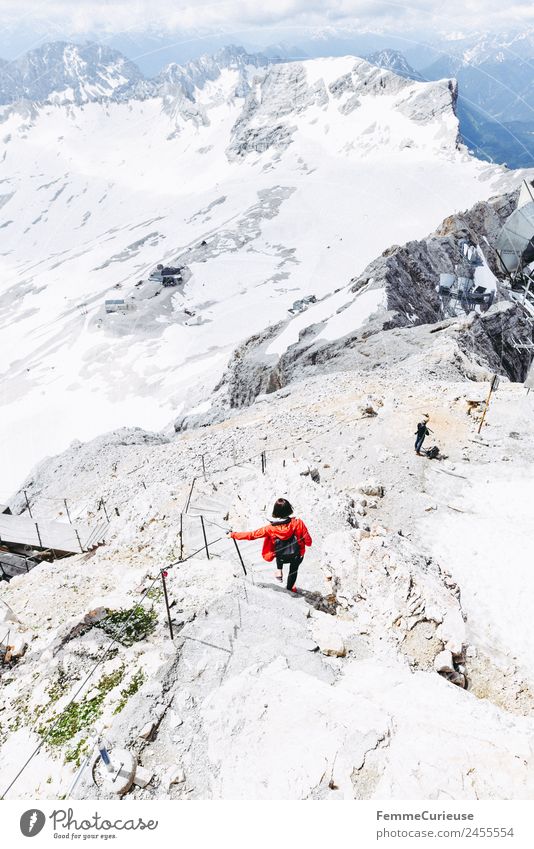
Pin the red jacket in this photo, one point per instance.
(283, 531)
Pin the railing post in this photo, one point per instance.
(28, 504)
(38, 535)
(79, 540)
(67, 509)
(205, 538)
(239, 555)
(103, 505)
(181, 536)
(190, 494)
(169, 619)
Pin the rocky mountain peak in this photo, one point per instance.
(395, 61)
(68, 73)
(197, 73)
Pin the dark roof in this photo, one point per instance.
(170, 270)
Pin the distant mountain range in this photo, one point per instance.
(395, 61)
(64, 73)
(495, 75)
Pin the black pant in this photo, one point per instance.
(294, 564)
(419, 442)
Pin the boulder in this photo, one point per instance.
(313, 473)
(328, 637)
(13, 644)
(142, 776)
(372, 487)
(457, 678)
(175, 775)
(6, 614)
(146, 731)
(94, 616)
(369, 407)
(443, 662)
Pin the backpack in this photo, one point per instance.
(287, 549)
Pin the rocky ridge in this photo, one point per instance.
(382, 655)
(408, 275)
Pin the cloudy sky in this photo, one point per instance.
(147, 25)
(175, 15)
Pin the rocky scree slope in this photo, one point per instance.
(382, 659)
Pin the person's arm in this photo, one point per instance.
(257, 534)
(304, 533)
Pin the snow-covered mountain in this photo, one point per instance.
(68, 73)
(395, 61)
(304, 212)
(195, 74)
(266, 184)
(63, 73)
(493, 47)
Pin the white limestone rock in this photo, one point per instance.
(328, 637)
(443, 662)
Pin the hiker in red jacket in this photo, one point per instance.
(285, 539)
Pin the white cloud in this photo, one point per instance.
(79, 16)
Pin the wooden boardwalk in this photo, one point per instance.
(57, 536)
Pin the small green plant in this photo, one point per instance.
(15, 724)
(130, 690)
(57, 688)
(76, 754)
(79, 715)
(155, 594)
(129, 626)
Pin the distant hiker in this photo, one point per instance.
(421, 432)
(285, 540)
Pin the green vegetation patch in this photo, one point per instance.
(130, 690)
(79, 715)
(129, 626)
(75, 755)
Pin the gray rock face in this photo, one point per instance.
(284, 91)
(176, 104)
(490, 340)
(365, 79)
(419, 105)
(250, 373)
(409, 275)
